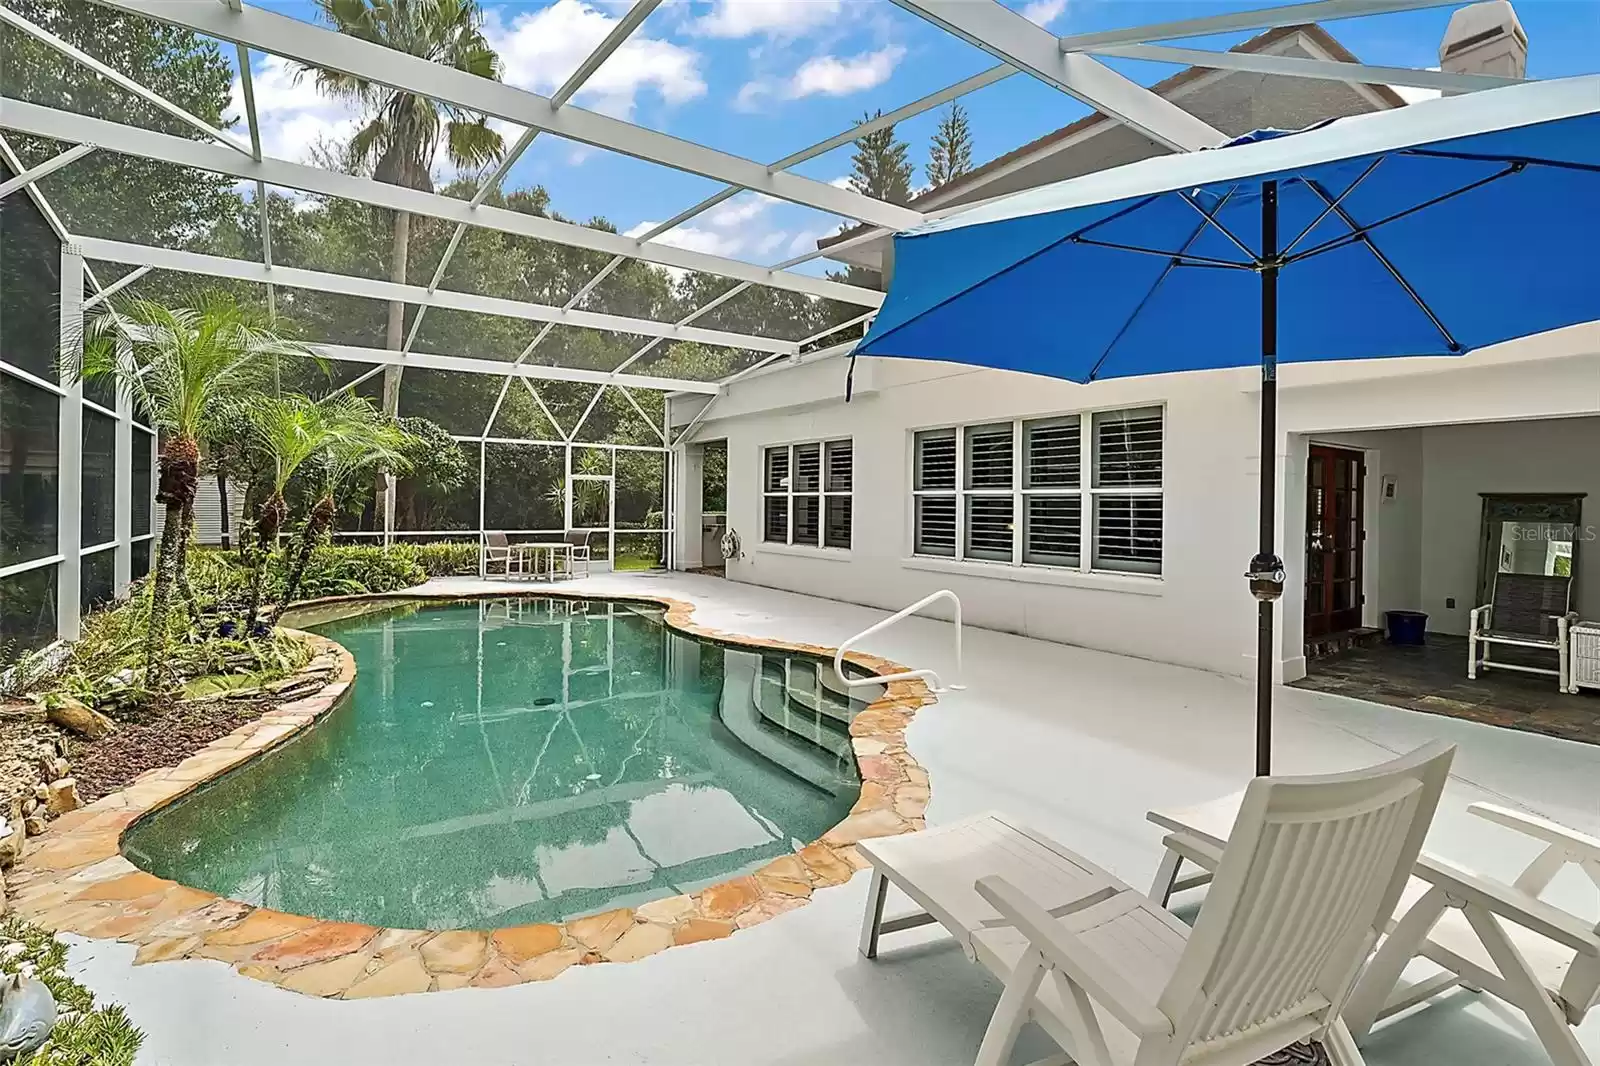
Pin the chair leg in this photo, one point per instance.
(1341, 1046)
(871, 923)
(1548, 1020)
(1166, 877)
(1472, 655)
(1011, 1013)
(1378, 980)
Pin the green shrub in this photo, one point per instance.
(90, 1035)
(446, 559)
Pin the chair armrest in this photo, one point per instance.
(1076, 960)
(1480, 614)
(1580, 846)
(1511, 903)
(1198, 850)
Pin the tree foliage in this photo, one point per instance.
(880, 167)
(950, 151)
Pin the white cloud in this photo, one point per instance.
(737, 211)
(772, 18)
(841, 182)
(830, 75)
(1043, 12)
(1412, 94)
(692, 238)
(294, 117)
(540, 49)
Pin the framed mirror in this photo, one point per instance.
(1529, 533)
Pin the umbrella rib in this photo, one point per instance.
(1387, 265)
(1332, 205)
(1362, 232)
(1176, 257)
(1560, 164)
(1237, 243)
(1173, 262)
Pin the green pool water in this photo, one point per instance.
(513, 761)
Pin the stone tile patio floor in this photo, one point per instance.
(1076, 742)
(1433, 678)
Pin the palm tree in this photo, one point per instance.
(357, 441)
(404, 131)
(181, 366)
(289, 431)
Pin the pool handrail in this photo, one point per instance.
(932, 678)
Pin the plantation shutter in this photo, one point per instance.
(839, 477)
(775, 519)
(1128, 525)
(807, 503)
(989, 457)
(1052, 521)
(934, 520)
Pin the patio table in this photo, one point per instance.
(530, 551)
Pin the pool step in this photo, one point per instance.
(763, 720)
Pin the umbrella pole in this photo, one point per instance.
(1267, 568)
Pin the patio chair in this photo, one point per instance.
(1485, 934)
(1527, 611)
(497, 549)
(1315, 867)
(577, 541)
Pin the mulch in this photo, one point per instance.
(158, 738)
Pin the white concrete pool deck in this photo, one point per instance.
(1076, 742)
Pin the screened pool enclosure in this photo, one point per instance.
(571, 363)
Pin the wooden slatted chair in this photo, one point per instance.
(1313, 870)
(1527, 611)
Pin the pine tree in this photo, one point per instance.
(950, 154)
(881, 168)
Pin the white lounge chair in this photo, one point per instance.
(1316, 866)
(1485, 934)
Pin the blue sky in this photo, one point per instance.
(762, 78)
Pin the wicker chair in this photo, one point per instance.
(1527, 611)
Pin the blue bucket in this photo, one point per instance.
(1407, 627)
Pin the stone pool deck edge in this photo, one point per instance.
(74, 877)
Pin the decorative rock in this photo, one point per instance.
(786, 876)
(865, 826)
(669, 911)
(550, 964)
(29, 805)
(645, 938)
(41, 792)
(323, 941)
(59, 768)
(523, 942)
(81, 719)
(599, 931)
(327, 978)
(63, 796)
(729, 898)
(697, 929)
(497, 974)
(262, 925)
(34, 824)
(456, 951)
(404, 975)
(12, 835)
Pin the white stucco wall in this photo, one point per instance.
(1198, 612)
(1460, 462)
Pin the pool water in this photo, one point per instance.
(513, 761)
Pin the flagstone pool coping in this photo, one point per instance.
(74, 877)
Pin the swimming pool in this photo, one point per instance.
(504, 762)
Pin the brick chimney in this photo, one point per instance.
(1485, 38)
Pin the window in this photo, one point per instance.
(1019, 492)
(806, 494)
(30, 420)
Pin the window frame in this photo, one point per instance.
(822, 494)
(1085, 490)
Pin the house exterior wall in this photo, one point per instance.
(1198, 612)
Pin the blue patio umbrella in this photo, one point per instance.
(1432, 229)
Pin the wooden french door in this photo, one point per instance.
(1335, 536)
